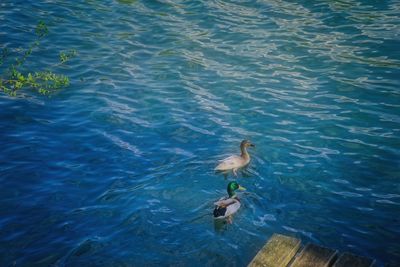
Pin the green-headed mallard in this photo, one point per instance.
(227, 206)
(235, 162)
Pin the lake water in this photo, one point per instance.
(117, 169)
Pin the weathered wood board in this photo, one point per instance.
(283, 251)
(314, 256)
(348, 259)
(278, 252)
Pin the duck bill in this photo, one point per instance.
(252, 145)
(241, 188)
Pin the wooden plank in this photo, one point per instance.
(314, 256)
(278, 252)
(348, 259)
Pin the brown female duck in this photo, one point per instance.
(236, 162)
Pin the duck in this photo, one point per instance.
(236, 162)
(225, 207)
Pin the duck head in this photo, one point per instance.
(246, 144)
(232, 187)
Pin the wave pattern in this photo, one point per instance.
(117, 169)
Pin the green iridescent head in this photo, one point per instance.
(232, 187)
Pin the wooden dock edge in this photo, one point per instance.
(278, 251)
(286, 251)
(313, 255)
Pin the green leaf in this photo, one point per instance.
(17, 85)
(41, 29)
(66, 55)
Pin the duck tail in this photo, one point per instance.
(219, 212)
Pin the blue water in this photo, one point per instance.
(117, 169)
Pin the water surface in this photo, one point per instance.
(117, 170)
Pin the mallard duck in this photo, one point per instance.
(235, 162)
(225, 207)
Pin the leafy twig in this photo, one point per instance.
(44, 82)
